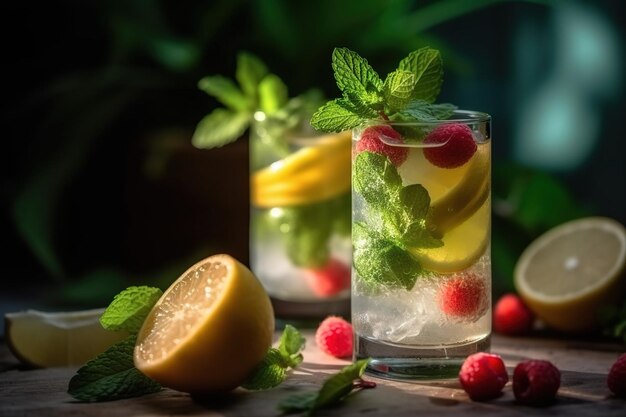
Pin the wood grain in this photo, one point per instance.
(583, 391)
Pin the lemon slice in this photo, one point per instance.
(46, 339)
(312, 174)
(567, 273)
(209, 330)
(462, 246)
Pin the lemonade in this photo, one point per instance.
(421, 290)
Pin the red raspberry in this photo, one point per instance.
(535, 382)
(330, 279)
(464, 296)
(617, 377)
(370, 141)
(458, 149)
(334, 337)
(483, 376)
(511, 316)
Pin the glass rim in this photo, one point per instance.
(463, 116)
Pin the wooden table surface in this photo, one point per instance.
(583, 392)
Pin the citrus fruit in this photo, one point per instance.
(314, 173)
(462, 246)
(567, 273)
(209, 330)
(45, 339)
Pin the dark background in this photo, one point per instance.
(101, 187)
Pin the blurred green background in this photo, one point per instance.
(101, 187)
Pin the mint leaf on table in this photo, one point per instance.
(273, 370)
(129, 309)
(334, 390)
(111, 376)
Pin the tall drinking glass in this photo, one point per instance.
(421, 214)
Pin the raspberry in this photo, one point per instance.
(334, 337)
(464, 296)
(617, 377)
(370, 141)
(511, 316)
(483, 376)
(458, 148)
(535, 382)
(329, 280)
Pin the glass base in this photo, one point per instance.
(402, 362)
(308, 314)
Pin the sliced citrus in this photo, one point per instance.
(47, 339)
(567, 273)
(209, 330)
(316, 172)
(462, 246)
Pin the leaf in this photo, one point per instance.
(339, 386)
(268, 374)
(358, 106)
(298, 403)
(219, 128)
(111, 376)
(380, 262)
(291, 345)
(398, 89)
(376, 180)
(225, 90)
(335, 116)
(273, 94)
(249, 73)
(423, 111)
(427, 66)
(129, 309)
(353, 73)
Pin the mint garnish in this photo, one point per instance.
(112, 374)
(335, 389)
(406, 92)
(273, 370)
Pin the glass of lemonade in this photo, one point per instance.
(300, 222)
(421, 213)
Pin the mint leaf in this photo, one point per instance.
(219, 128)
(111, 376)
(425, 112)
(273, 94)
(365, 110)
(249, 73)
(273, 370)
(427, 66)
(334, 390)
(376, 179)
(129, 309)
(399, 89)
(225, 90)
(381, 262)
(354, 73)
(335, 116)
(268, 374)
(291, 345)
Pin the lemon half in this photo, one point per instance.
(569, 272)
(209, 330)
(46, 339)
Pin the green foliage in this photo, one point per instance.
(129, 309)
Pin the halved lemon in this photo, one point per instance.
(319, 171)
(46, 339)
(567, 273)
(209, 330)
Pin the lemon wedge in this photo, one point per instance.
(56, 339)
(312, 174)
(209, 330)
(567, 273)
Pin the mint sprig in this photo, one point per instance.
(112, 374)
(334, 390)
(407, 92)
(273, 370)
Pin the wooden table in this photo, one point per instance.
(583, 391)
